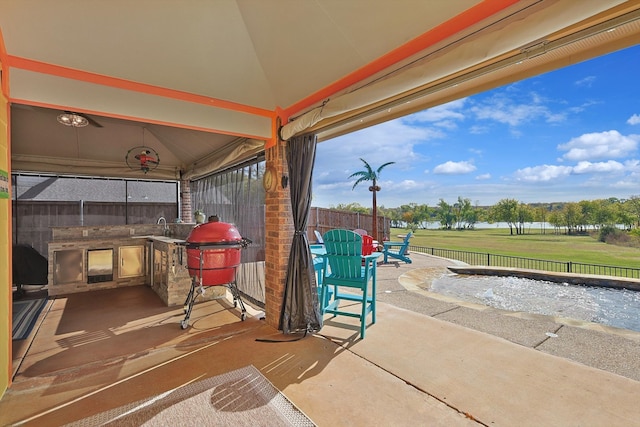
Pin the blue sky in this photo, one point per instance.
(569, 135)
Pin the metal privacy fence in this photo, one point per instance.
(493, 260)
(40, 202)
(32, 220)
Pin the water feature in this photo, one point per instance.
(613, 307)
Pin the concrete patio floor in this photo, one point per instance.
(421, 363)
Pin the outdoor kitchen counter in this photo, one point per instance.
(87, 258)
(115, 231)
(164, 239)
(87, 264)
(169, 275)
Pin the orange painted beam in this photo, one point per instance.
(275, 127)
(437, 34)
(271, 142)
(458, 23)
(9, 230)
(5, 66)
(134, 119)
(85, 76)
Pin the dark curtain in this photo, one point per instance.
(300, 308)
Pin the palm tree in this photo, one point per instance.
(368, 174)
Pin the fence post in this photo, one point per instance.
(488, 260)
(569, 267)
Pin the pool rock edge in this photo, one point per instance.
(572, 278)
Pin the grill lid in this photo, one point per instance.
(214, 232)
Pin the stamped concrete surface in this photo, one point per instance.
(492, 380)
(598, 349)
(427, 361)
(58, 382)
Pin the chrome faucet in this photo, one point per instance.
(164, 221)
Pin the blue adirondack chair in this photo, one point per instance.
(397, 250)
(345, 266)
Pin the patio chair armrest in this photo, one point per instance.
(371, 258)
(393, 244)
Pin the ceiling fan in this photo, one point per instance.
(146, 158)
(70, 118)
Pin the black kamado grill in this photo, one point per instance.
(213, 256)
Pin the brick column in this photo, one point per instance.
(279, 232)
(186, 213)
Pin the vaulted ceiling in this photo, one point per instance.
(204, 81)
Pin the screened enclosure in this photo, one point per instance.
(44, 201)
(236, 196)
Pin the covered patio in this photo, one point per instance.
(425, 368)
(214, 83)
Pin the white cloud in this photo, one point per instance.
(407, 184)
(625, 184)
(602, 145)
(478, 130)
(336, 185)
(543, 173)
(447, 124)
(507, 110)
(611, 166)
(632, 165)
(556, 117)
(634, 120)
(580, 108)
(513, 115)
(547, 173)
(483, 177)
(454, 168)
(441, 113)
(587, 81)
(392, 141)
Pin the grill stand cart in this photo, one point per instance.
(221, 273)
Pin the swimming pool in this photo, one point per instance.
(613, 307)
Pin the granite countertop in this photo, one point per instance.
(97, 239)
(161, 239)
(120, 238)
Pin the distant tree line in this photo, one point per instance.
(568, 217)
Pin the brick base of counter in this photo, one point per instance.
(173, 282)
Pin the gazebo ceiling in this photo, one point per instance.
(41, 144)
(263, 54)
(222, 71)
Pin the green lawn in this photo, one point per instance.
(548, 246)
